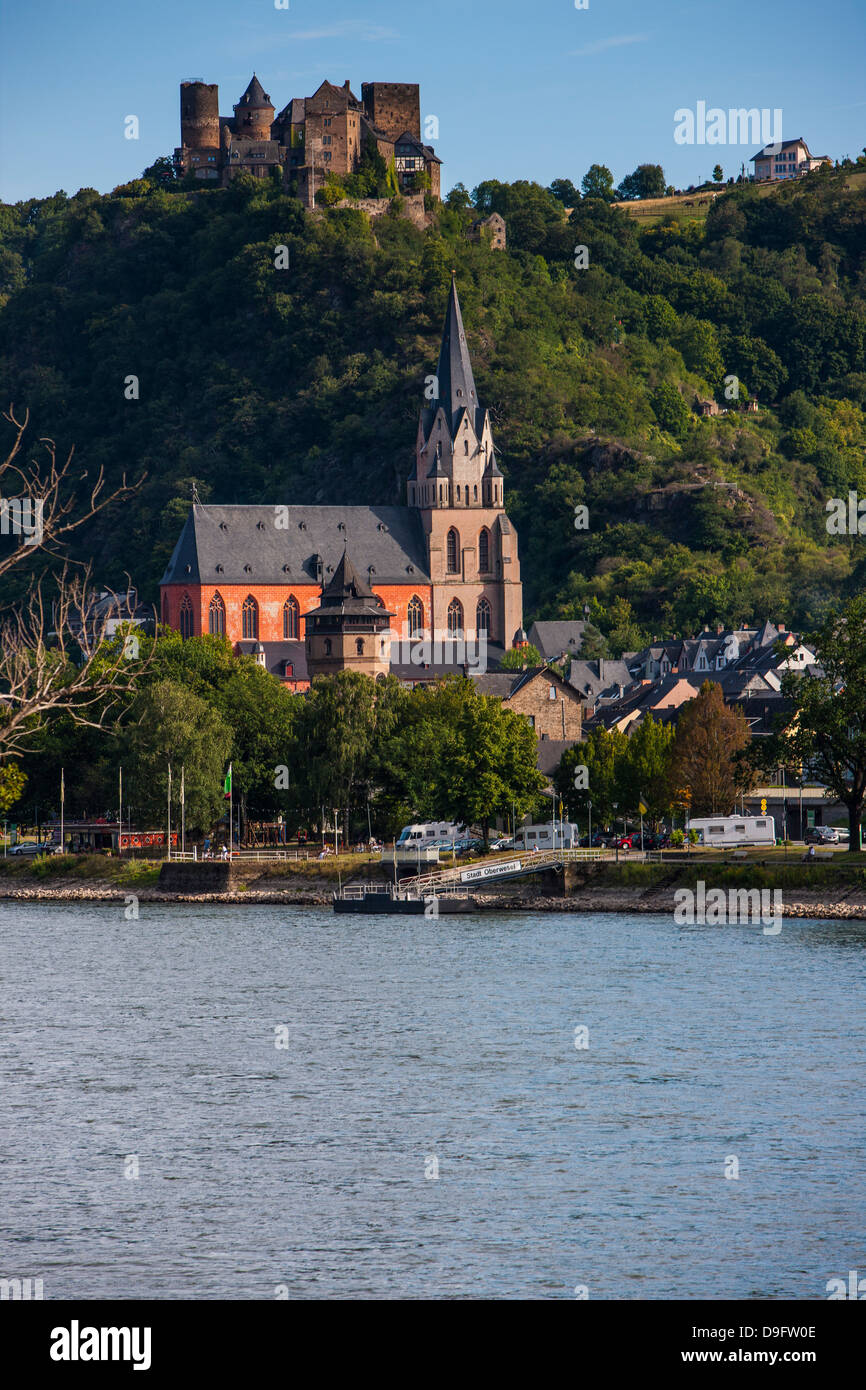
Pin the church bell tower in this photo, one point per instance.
(457, 486)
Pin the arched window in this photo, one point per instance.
(291, 620)
(475, 492)
(216, 617)
(482, 616)
(484, 551)
(359, 646)
(453, 551)
(250, 626)
(466, 446)
(186, 617)
(458, 492)
(328, 646)
(455, 618)
(416, 616)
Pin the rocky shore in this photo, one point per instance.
(842, 903)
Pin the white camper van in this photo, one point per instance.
(430, 833)
(735, 832)
(564, 836)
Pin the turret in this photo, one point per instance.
(254, 113)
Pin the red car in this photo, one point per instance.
(624, 842)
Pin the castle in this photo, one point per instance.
(309, 138)
(311, 590)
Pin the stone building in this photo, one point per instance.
(443, 569)
(552, 706)
(491, 229)
(308, 138)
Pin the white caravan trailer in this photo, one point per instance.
(566, 836)
(431, 833)
(735, 832)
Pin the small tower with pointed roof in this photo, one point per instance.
(254, 113)
(349, 629)
(457, 485)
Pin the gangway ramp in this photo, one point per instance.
(495, 871)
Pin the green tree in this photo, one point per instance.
(342, 733)
(645, 773)
(172, 725)
(647, 181)
(520, 658)
(826, 731)
(591, 772)
(670, 409)
(564, 192)
(12, 784)
(709, 737)
(468, 758)
(718, 174)
(597, 182)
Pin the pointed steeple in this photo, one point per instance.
(346, 583)
(454, 374)
(255, 95)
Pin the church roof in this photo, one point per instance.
(255, 95)
(243, 545)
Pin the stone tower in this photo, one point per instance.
(199, 115)
(349, 631)
(457, 486)
(254, 114)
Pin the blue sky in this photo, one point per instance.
(521, 90)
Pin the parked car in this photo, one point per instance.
(33, 849)
(506, 842)
(624, 842)
(823, 835)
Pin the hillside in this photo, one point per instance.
(304, 384)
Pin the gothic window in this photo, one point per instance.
(466, 446)
(482, 616)
(458, 492)
(216, 617)
(291, 620)
(416, 616)
(455, 619)
(475, 492)
(186, 620)
(484, 551)
(453, 551)
(359, 646)
(250, 624)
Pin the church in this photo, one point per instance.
(310, 590)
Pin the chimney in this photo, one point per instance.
(347, 86)
(601, 668)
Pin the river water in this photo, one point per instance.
(287, 1084)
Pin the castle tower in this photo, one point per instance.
(393, 107)
(349, 630)
(254, 114)
(199, 115)
(457, 485)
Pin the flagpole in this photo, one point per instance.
(120, 810)
(231, 812)
(62, 806)
(168, 847)
(182, 810)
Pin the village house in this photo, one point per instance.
(789, 159)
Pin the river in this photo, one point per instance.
(221, 1102)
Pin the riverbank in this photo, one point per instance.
(807, 890)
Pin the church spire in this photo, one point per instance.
(454, 374)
